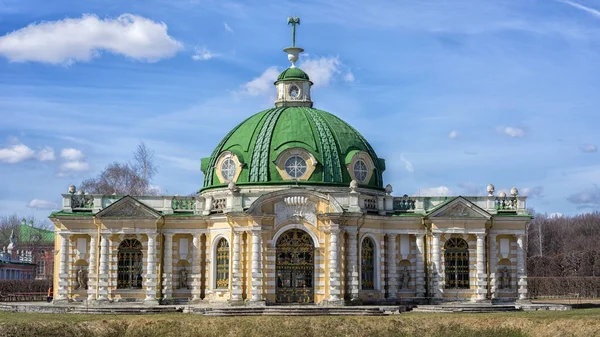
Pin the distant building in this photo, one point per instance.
(32, 246)
(16, 264)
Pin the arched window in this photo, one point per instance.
(367, 264)
(456, 259)
(222, 268)
(129, 270)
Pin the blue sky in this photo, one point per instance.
(453, 94)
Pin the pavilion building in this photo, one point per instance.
(293, 209)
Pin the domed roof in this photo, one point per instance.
(259, 140)
(293, 74)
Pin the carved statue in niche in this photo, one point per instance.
(404, 278)
(81, 279)
(505, 278)
(183, 279)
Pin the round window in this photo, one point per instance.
(295, 166)
(228, 169)
(360, 171)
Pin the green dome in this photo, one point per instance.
(259, 140)
(293, 74)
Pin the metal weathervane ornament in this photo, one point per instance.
(293, 21)
(293, 51)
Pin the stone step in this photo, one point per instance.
(295, 311)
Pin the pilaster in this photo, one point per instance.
(236, 284)
(196, 271)
(521, 276)
(334, 269)
(391, 260)
(481, 274)
(103, 276)
(63, 275)
(167, 276)
(353, 263)
(92, 276)
(151, 274)
(435, 268)
(257, 280)
(493, 265)
(420, 272)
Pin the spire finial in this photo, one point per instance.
(293, 51)
(293, 21)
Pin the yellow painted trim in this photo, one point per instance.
(311, 163)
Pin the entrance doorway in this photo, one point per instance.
(295, 267)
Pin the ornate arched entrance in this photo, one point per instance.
(129, 268)
(295, 267)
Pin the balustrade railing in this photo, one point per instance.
(370, 203)
(183, 205)
(219, 205)
(404, 204)
(506, 204)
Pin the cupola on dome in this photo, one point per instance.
(293, 143)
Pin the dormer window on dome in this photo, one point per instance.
(360, 166)
(228, 167)
(295, 164)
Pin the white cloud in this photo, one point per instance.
(71, 154)
(202, 54)
(349, 77)
(263, 84)
(321, 70)
(16, 153)
(46, 154)
(42, 204)
(407, 164)
(592, 11)
(589, 148)
(511, 131)
(453, 134)
(435, 191)
(75, 166)
(80, 39)
(227, 27)
(533, 192)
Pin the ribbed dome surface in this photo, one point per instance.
(260, 139)
(292, 74)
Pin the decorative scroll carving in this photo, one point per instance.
(460, 210)
(129, 208)
(81, 200)
(297, 208)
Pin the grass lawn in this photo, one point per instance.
(582, 322)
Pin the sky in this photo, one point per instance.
(454, 95)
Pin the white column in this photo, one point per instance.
(493, 265)
(256, 265)
(196, 270)
(353, 263)
(236, 284)
(521, 276)
(420, 272)
(151, 274)
(436, 268)
(334, 269)
(63, 276)
(391, 260)
(481, 274)
(103, 276)
(92, 276)
(167, 276)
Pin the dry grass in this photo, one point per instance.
(585, 322)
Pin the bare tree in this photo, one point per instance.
(125, 178)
